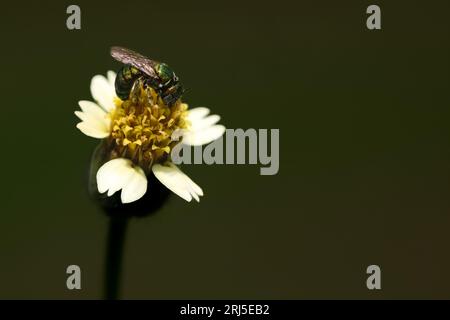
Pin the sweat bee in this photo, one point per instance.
(141, 70)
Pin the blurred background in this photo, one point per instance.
(364, 150)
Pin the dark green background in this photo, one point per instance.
(365, 135)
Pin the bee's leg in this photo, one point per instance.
(144, 84)
(135, 91)
(147, 89)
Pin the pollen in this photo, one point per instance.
(142, 127)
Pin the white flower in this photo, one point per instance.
(110, 118)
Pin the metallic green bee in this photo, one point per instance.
(139, 69)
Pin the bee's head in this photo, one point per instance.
(170, 86)
(166, 75)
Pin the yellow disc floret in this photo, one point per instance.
(141, 127)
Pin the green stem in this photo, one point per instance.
(114, 254)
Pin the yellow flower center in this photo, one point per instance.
(141, 127)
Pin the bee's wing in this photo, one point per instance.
(135, 59)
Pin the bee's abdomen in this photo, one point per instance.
(125, 79)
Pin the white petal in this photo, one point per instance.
(203, 128)
(103, 92)
(105, 177)
(101, 124)
(194, 187)
(176, 181)
(119, 174)
(95, 122)
(111, 77)
(92, 131)
(197, 113)
(92, 108)
(172, 180)
(198, 138)
(119, 179)
(203, 123)
(136, 187)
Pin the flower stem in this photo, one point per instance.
(113, 263)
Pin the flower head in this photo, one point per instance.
(139, 134)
